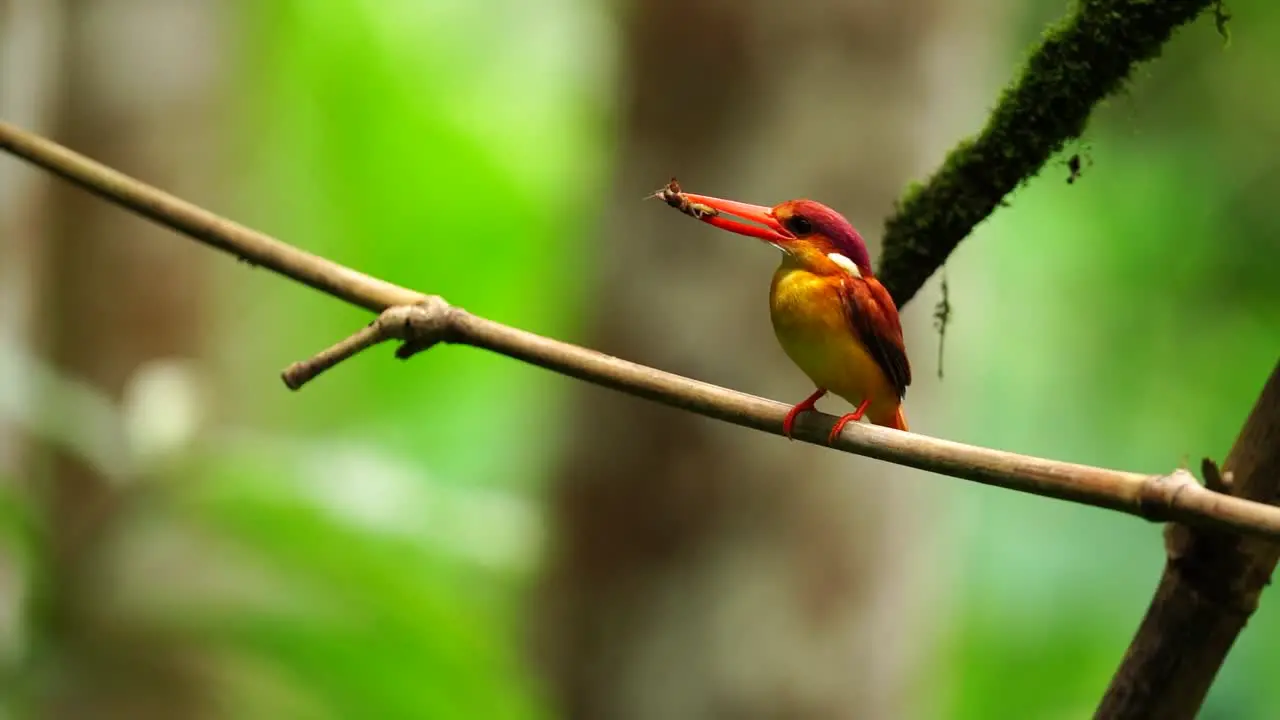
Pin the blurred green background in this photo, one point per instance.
(367, 547)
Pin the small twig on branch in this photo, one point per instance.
(420, 321)
(1079, 63)
(941, 317)
(419, 326)
(1214, 479)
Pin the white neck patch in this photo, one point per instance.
(849, 266)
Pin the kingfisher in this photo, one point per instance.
(831, 315)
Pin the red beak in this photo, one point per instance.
(771, 232)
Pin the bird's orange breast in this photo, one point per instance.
(810, 323)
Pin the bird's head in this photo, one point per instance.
(812, 232)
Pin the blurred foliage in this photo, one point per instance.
(345, 620)
(19, 562)
(425, 143)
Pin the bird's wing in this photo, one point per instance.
(874, 317)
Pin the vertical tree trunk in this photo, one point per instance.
(138, 92)
(701, 570)
(30, 34)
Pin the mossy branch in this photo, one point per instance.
(1080, 62)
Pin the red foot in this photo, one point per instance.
(854, 416)
(804, 406)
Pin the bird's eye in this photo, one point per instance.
(799, 226)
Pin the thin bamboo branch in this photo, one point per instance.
(247, 244)
(421, 321)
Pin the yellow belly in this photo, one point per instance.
(810, 325)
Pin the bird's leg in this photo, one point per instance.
(854, 416)
(804, 406)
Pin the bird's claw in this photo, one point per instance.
(803, 406)
(845, 419)
(790, 420)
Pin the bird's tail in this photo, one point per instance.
(899, 421)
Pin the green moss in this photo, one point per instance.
(1222, 18)
(1079, 62)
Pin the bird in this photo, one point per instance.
(831, 315)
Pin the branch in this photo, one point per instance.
(1210, 587)
(420, 321)
(248, 245)
(1086, 58)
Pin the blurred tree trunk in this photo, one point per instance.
(701, 570)
(138, 92)
(30, 43)
(29, 49)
